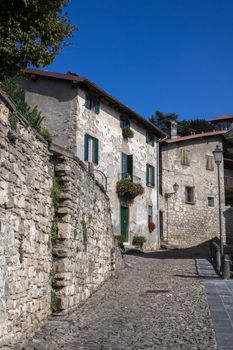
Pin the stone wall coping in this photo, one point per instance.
(61, 151)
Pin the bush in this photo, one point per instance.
(120, 241)
(127, 189)
(127, 133)
(139, 240)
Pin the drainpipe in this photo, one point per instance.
(158, 201)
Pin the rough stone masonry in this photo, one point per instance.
(33, 267)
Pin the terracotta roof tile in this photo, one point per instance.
(196, 136)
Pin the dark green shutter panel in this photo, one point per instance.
(153, 176)
(123, 165)
(122, 122)
(96, 157)
(88, 102)
(147, 174)
(97, 106)
(86, 138)
(130, 165)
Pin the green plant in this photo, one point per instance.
(55, 302)
(127, 132)
(55, 192)
(47, 136)
(32, 115)
(84, 226)
(139, 240)
(128, 190)
(54, 230)
(53, 279)
(120, 241)
(12, 121)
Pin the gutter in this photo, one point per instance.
(158, 182)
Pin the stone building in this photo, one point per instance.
(189, 211)
(224, 122)
(86, 120)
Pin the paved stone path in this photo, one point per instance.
(220, 300)
(156, 302)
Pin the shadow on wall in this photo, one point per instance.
(228, 214)
(201, 251)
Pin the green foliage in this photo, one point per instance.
(55, 192)
(12, 121)
(163, 120)
(127, 132)
(32, 33)
(55, 302)
(197, 125)
(139, 240)
(32, 115)
(128, 190)
(46, 135)
(53, 279)
(55, 195)
(120, 241)
(84, 227)
(54, 230)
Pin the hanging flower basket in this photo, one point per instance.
(151, 226)
(128, 190)
(127, 132)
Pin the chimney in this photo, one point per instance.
(173, 130)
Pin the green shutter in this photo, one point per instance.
(96, 156)
(130, 165)
(97, 106)
(123, 165)
(86, 138)
(153, 176)
(147, 174)
(122, 122)
(88, 102)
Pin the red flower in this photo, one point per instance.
(151, 226)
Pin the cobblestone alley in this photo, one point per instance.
(156, 302)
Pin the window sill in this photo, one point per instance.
(149, 185)
(191, 203)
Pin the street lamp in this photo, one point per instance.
(167, 196)
(218, 160)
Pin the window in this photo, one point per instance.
(126, 166)
(150, 214)
(150, 175)
(124, 122)
(150, 139)
(185, 157)
(210, 201)
(209, 162)
(91, 149)
(189, 195)
(92, 103)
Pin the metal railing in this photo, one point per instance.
(222, 264)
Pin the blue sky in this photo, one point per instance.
(167, 55)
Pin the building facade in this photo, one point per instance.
(190, 215)
(115, 142)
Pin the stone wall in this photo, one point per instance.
(25, 221)
(82, 251)
(186, 224)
